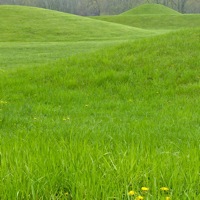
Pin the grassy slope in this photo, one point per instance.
(38, 25)
(30, 36)
(99, 125)
(153, 17)
(155, 22)
(147, 9)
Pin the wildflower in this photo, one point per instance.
(168, 198)
(165, 189)
(131, 193)
(140, 198)
(145, 189)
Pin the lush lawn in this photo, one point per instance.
(17, 54)
(25, 24)
(99, 118)
(30, 36)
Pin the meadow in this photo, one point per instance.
(91, 109)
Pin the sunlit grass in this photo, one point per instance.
(100, 125)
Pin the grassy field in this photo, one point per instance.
(30, 36)
(99, 118)
(155, 22)
(154, 17)
(151, 9)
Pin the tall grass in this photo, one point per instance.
(98, 126)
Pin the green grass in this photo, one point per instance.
(30, 36)
(153, 17)
(26, 24)
(18, 54)
(155, 22)
(92, 110)
(146, 9)
(104, 123)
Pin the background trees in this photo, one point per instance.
(105, 7)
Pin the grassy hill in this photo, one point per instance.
(98, 126)
(153, 17)
(117, 112)
(24, 24)
(32, 36)
(155, 22)
(151, 9)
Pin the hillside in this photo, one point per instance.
(20, 23)
(155, 22)
(88, 122)
(151, 9)
(91, 109)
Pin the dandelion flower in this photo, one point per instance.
(165, 189)
(168, 198)
(145, 189)
(140, 198)
(131, 193)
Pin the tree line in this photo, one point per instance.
(105, 7)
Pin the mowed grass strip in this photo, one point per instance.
(101, 125)
(26, 54)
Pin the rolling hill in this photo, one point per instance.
(151, 9)
(154, 17)
(117, 112)
(19, 23)
(155, 22)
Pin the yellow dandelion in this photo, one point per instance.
(168, 198)
(165, 189)
(131, 193)
(145, 189)
(140, 198)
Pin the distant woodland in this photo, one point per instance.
(104, 7)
